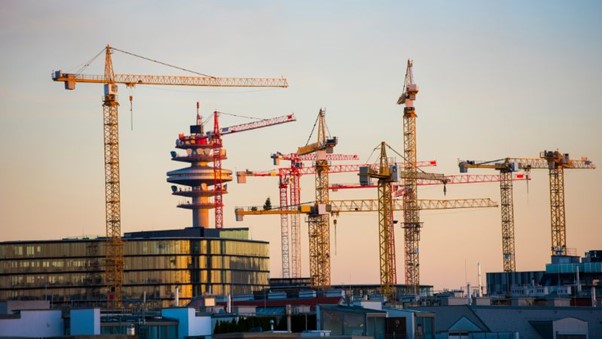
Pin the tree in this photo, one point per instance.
(267, 205)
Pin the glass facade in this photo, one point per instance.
(72, 271)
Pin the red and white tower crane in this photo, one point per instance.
(203, 148)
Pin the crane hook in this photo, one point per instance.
(334, 222)
(132, 112)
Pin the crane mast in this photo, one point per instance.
(386, 232)
(216, 147)
(114, 244)
(319, 222)
(557, 210)
(110, 80)
(556, 163)
(411, 215)
(506, 168)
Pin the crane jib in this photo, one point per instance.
(70, 79)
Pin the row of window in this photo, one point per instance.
(50, 265)
(142, 247)
(133, 278)
(133, 263)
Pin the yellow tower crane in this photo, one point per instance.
(411, 216)
(319, 223)
(385, 175)
(556, 162)
(506, 167)
(110, 80)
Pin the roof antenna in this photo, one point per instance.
(199, 121)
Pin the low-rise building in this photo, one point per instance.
(159, 267)
(464, 321)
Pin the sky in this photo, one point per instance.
(497, 79)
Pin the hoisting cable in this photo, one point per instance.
(81, 69)
(444, 181)
(312, 130)
(163, 63)
(241, 116)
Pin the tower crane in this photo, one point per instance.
(555, 162)
(203, 147)
(506, 167)
(411, 216)
(385, 175)
(411, 211)
(319, 223)
(110, 81)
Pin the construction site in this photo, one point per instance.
(393, 178)
(210, 264)
(278, 170)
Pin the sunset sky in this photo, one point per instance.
(497, 79)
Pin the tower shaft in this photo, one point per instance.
(388, 271)
(295, 219)
(411, 214)
(285, 257)
(319, 229)
(557, 214)
(114, 244)
(507, 211)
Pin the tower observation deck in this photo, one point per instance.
(199, 177)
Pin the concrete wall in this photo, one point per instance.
(34, 323)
